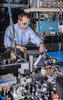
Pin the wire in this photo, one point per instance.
(5, 52)
(13, 31)
(20, 57)
(9, 49)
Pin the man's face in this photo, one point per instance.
(24, 23)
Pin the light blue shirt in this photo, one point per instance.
(22, 36)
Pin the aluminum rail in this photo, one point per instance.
(43, 10)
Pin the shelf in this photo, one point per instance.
(43, 10)
(13, 5)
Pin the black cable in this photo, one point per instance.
(5, 52)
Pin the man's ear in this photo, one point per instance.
(18, 21)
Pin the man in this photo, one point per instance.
(23, 33)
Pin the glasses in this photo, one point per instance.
(25, 23)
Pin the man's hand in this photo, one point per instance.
(22, 48)
(42, 48)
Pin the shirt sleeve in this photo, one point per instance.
(35, 38)
(7, 37)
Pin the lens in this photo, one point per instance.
(25, 23)
(28, 24)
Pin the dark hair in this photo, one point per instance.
(21, 15)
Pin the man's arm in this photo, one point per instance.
(36, 40)
(8, 37)
(8, 40)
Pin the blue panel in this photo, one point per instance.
(56, 54)
(50, 26)
(2, 98)
(61, 69)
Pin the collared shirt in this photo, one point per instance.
(22, 36)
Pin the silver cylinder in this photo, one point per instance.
(31, 62)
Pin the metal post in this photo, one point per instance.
(31, 62)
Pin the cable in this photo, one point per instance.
(5, 52)
(13, 31)
(20, 57)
